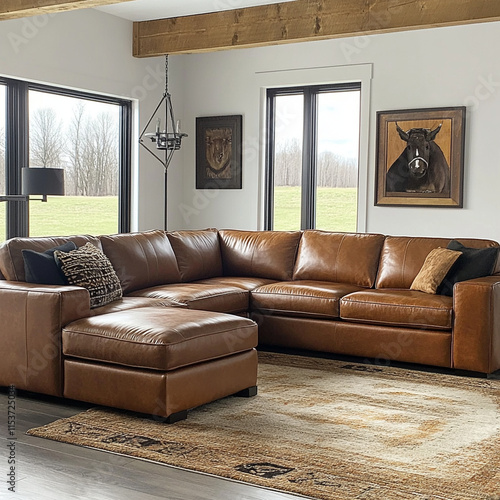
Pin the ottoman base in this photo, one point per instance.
(162, 394)
(182, 415)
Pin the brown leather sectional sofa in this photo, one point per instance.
(181, 335)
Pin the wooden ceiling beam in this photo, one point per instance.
(13, 9)
(302, 20)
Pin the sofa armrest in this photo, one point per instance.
(476, 331)
(32, 317)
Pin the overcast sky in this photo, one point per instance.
(338, 121)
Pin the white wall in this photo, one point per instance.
(92, 51)
(457, 66)
(417, 69)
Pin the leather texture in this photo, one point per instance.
(217, 298)
(375, 344)
(158, 338)
(210, 381)
(476, 339)
(313, 299)
(409, 308)
(11, 258)
(198, 253)
(127, 303)
(243, 282)
(32, 317)
(402, 257)
(263, 254)
(352, 257)
(113, 385)
(159, 393)
(141, 260)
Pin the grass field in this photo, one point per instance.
(336, 208)
(64, 215)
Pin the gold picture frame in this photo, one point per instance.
(420, 157)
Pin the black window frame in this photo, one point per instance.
(17, 149)
(309, 147)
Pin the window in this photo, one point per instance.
(86, 134)
(2, 162)
(312, 157)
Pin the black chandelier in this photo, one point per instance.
(169, 139)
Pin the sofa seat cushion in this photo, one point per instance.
(127, 303)
(312, 299)
(219, 298)
(245, 282)
(158, 339)
(407, 308)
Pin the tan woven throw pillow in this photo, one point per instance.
(435, 267)
(90, 268)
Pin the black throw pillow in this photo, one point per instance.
(473, 263)
(41, 267)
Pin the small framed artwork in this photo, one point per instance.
(218, 152)
(420, 157)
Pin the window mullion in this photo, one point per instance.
(308, 160)
(313, 159)
(270, 150)
(125, 175)
(16, 155)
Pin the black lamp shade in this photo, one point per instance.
(43, 181)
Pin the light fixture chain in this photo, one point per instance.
(166, 74)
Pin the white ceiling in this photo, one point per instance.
(144, 10)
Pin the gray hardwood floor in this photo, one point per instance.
(47, 470)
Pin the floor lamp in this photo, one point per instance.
(38, 182)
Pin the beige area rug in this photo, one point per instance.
(325, 429)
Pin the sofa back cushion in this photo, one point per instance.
(263, 254)
(198, 253)
(402, 257)
(141, 260)
(11, 257)
(339, 257)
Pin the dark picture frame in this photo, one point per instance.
(218, 152)
(420, 157)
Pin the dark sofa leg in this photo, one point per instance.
(176, 417)
(248, 392)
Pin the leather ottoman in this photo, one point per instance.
(161, 361)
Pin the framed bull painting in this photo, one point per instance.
(218, 152)
(420, 157)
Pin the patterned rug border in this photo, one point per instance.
(164, 464)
